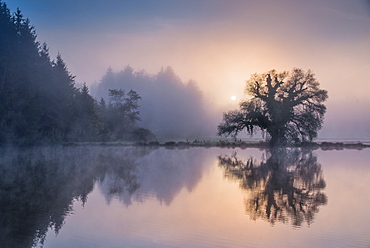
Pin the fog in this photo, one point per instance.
(170, 108)
(219, 45)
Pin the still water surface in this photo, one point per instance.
(196, 197)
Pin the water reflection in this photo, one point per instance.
(39, 186)
(161, 175)
(285, 186)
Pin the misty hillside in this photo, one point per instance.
(170, 108)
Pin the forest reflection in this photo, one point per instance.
(285, 186)
(39, 185)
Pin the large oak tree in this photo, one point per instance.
(288, 106)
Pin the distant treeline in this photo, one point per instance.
(40, 103)
(171, 108)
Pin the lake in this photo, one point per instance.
(190, 197)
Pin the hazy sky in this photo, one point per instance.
(219, 43)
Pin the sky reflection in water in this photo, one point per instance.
(197, 197)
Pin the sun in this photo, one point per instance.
(233, 98)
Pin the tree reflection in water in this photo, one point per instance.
(286, 185)
(39, 185)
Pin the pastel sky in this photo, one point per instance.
(219, 43)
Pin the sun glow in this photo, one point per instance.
(233, 98)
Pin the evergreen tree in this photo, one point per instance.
(39, 100)
(87, 125)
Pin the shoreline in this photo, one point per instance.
(227, 144)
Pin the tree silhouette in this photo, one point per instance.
(287, 105)
(39, 100)
(286, 186)
(119, 117)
